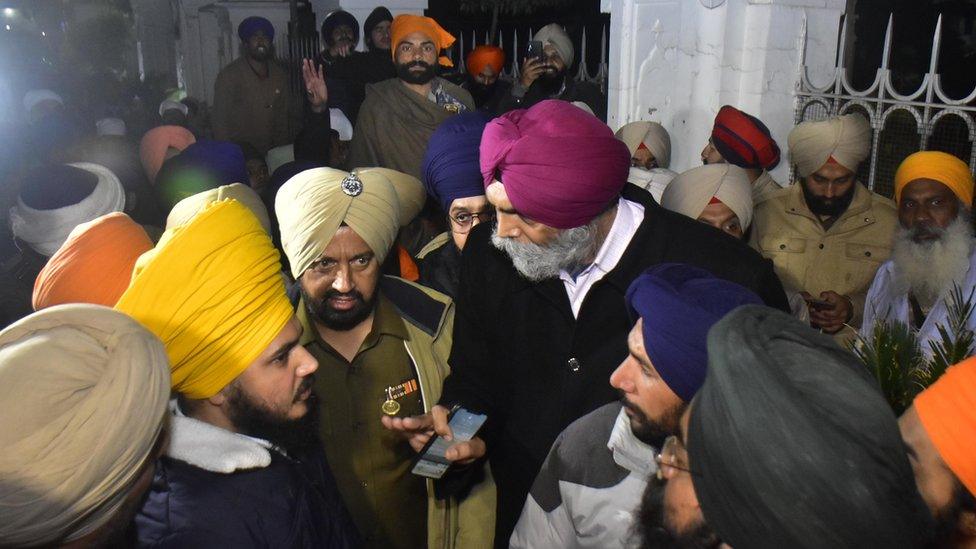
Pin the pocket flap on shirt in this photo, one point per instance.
(780, 244)
(867, 252)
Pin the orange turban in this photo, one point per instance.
(406, 24)
(485, 55)
(947, 410)
(937, 166)
(152, 149)
(94, 265)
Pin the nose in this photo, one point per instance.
(620, 379)
(475, 220)
(831, 192)
(343, 281)
(307, 364)
(507, 226)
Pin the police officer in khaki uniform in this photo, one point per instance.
(829, 234)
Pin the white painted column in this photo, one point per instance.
(678, 61)
(362, 8)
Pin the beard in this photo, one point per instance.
(414, 77)
(551, 80)
(946, 528)
(480, 92)
(252, 418)
(828, 207)
(340, 321)
(929, 268)
(655, 533)
(653, 432)
(566, 252)
(260, 54)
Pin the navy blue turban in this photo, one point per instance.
(253, 24)
(679, 304)
(451, 169)
(202, 166)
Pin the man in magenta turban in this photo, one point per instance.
(541, 317)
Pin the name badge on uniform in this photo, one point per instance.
(390, 406)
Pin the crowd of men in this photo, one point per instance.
(249, 338)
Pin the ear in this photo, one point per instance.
(967, 524)
(219, 399)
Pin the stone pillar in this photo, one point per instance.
(678, 61)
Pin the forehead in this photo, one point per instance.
(416, 38)
(497, 196)
(346, 243)
(833, 170)
(488, 70)
(382, 25)
(469, 203)
(925, 187)
(717, 211)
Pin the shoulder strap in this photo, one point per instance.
(413, 304)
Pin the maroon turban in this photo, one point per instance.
(743, 140)
(560, 165)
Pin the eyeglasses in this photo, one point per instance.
(673, 458)
(465, 220)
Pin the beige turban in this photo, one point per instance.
(844, 139)
(184, 210)
(83, 393)
(555, 35)
(410, 192)
(691, 191)
(313, 205)
(652, 135)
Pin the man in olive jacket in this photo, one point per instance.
(541, 316)
(382, 345)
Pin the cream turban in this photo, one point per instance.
(410, 192)
(652, 135)
(312, 205)
(845, 139)
(691, 191)
(184, 210)
(555, 35)
(83, 393)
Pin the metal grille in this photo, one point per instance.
(926, 119)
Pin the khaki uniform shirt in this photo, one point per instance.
(763, 187)
(843, 258)
(251, 109)
(371, 464)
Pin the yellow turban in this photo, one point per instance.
(83, 392)
(313, 205)
(937, 166)
(845, 139)
(691, 191)
(212, 290)
(410, 192)
(184, 210)
(652, 135)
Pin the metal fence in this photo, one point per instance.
(926, 119)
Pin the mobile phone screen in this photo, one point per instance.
(432, 463)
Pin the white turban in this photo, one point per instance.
(83, 392)
(652, 135)
(46, 230)
(312, 205)
(340, 123)
(846, 139)
(110, 126)
(169, 104)
(653, 181)
(279, 156)
(691, 191)
(555, 35)
(34, 97)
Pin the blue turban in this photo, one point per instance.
(253, 24)
(202, 166)
(679, 304)
(451, 169)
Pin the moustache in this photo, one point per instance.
(927, 232)
(425, 65)
(305, 385)
(337, 294)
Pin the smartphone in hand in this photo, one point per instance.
(431, 462)
(534, 50)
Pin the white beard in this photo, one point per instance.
(567, 251)
(928, 270)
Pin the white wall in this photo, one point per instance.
(677, 62)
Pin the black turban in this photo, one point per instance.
(377, 16)
(335, 19)
(792, 444)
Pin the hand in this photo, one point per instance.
(831, 320)
(418, 430)
(532, 68)
(315, 88)
(341, 49)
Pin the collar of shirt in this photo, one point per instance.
(625, 224)
(386, 321)
(629, 452)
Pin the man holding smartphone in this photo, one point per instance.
(545, 75)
